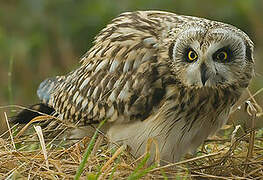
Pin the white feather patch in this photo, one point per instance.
(75, 96)
(84, 83)
(101, 65)
(84, 103)
(110, 112)
(79, 99)
(114, 65)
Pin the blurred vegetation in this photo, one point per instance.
(46, 38)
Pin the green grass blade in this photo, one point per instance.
(136, 174)
(98, 173)
(141, 164)
(142, 173)
(164, 175)
(87, 152)
(112, 172)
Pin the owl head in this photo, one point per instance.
(211, 54)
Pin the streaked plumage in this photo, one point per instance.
(158, 75)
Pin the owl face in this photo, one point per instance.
(212, 57)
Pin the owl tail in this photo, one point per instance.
(45, 90)
(44, 93)
(26, 115)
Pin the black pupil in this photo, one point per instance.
(221, 56)
(192, 54)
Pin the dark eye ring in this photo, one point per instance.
(191, 55)
(222, 56)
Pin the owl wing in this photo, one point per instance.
(121, 76)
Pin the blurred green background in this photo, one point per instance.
(47, 37)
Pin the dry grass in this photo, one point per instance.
(229, 155)
(219, 159)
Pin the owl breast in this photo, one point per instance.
(183, 121)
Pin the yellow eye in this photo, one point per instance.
(191, 55)
(222, 56)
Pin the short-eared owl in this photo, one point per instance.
(159, 75)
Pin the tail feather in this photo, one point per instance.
(45, 89)
(33, 111)
(44, 93)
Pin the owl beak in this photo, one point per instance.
(204, 75)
